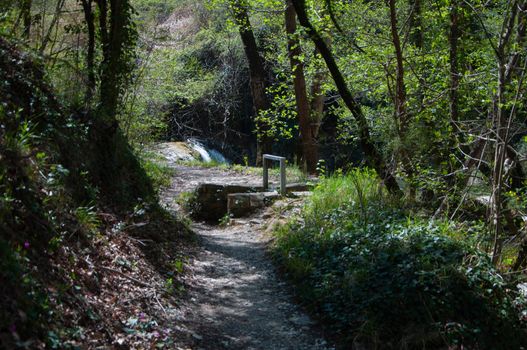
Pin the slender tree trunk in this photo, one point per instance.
(417, 39)
(496, 208)
(372, 155)
(400, 100)
(453, 38)
(257, 74)
(317, 100)
(416, 23)
(504, 111)
(25, 8)
(516, 173)
(103, 25)
(400, 89)
(90, 54)
(53, 23)
(309, 145)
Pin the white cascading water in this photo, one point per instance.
(198, 147)
(217, 156)
(207, 155)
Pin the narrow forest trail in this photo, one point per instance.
(235, 299)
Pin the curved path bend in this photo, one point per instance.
(235, 299)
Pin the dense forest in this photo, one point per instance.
(131, 129)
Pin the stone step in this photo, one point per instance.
(243, 204)
(211, 199)
(212, 202)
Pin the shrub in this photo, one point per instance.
(391, 281)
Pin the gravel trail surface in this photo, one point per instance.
(235, 299)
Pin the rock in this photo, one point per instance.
(211, 200)
(299, 187)
(214, 201)
(242, 204)
(301, 194)
(176, 151)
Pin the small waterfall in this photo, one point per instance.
(198, 147)
(207, 155)
(217, 156)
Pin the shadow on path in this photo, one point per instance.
(234, 298)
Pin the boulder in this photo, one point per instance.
(243, 204)
(211, 200)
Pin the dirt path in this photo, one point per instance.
(235, 299)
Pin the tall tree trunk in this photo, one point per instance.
(317, 100)
(103, 25)
(416, 23)
(400, 101)
(309, 145)
(496, 203)
(504, 112)
(400, 89)
(115, 168)
(453, 38)
(90, 54)
(113, 69)
(257, 74)
(25, 8)
(372, 155)
(417, 39)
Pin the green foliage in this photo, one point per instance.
(149, 12)
(47, 194)
(359, 189)
(194, 73)
(26, 223)
(187, 200)
(224, 221)
(281, 117)
(22, 292)
(87, 219)
(9, 11)
(381, 278)
(159, 174)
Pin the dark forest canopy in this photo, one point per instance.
(413, 112)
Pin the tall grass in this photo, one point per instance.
(353, 193)
(376, 274)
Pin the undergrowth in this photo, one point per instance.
(379, 277)
(54, 215)
(159, 173)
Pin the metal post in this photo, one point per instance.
(282, 176)
(265, 174)
(283, 188)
